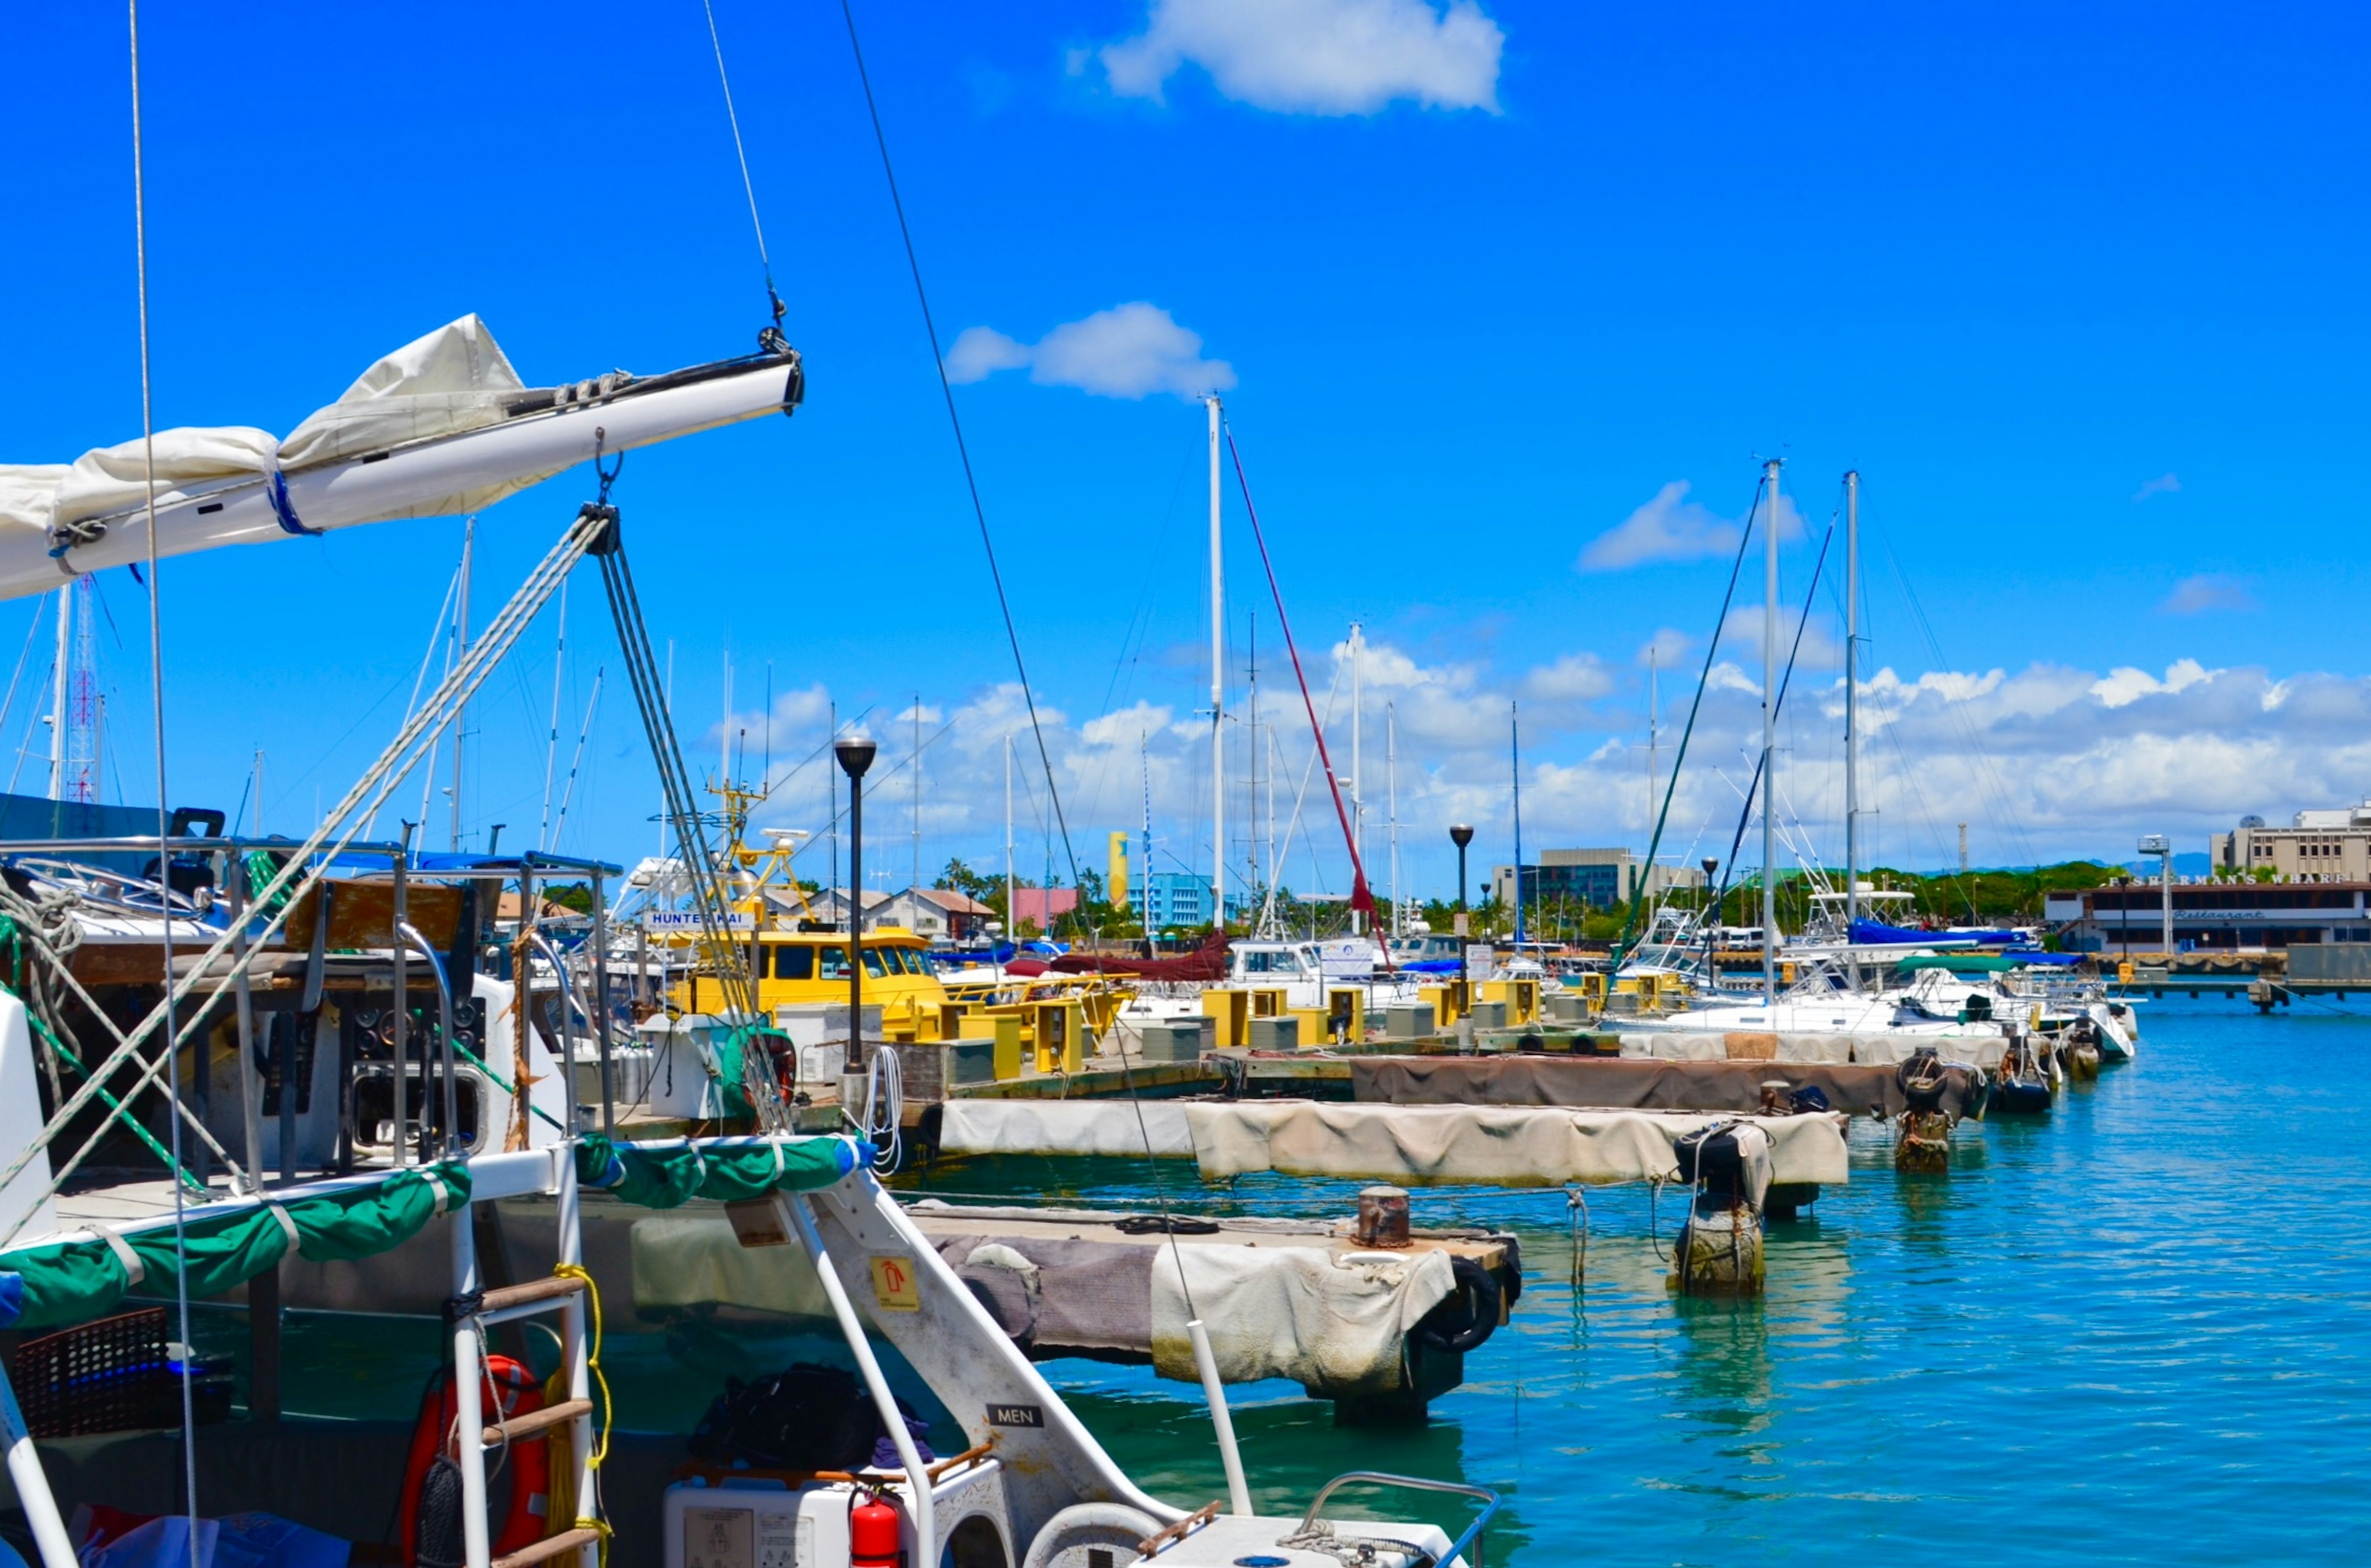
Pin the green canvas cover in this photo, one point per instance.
(666, 1176)
(72, 1282)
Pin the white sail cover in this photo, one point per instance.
(443, 425)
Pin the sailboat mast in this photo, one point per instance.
(1852, 694)
(917, 883)
(1391, 786)
(1357, 765)
(63, 673)
(1144, 765)
(1012, 918)
(1770, 737)
(460, 648)
(1251, 801)
(1515, 766)
(1217, 694)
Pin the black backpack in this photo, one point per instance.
(807, 1418)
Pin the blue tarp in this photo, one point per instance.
(12, 1298)
(1873, 933)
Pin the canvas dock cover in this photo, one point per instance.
(1482, 1145)
(1982, 1049)
(1612, 1083)
(1334, 1319)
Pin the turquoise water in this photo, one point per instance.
(2137, 1330)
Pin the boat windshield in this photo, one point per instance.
(1271, 961)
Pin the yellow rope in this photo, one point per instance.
(593, 1364)
(593, 1359)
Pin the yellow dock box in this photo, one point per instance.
(1233, 1009)
(1001, 1025)
(1267, 1001)
(1592, 989)
(1346, 1013)
(1521, 997)
(1313, 1024)
(1058, 1036)
(1447, 999)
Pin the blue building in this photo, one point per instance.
(1178, 898)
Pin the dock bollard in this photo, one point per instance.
(1923, 1142)
(1382, 1218)
(1718, 1249)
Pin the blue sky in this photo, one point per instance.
(2077, 292)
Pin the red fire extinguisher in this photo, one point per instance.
(872, 1535)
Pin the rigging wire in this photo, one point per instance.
(1754, 785)
(1712, 647)
(1361, 896)
(733, 117)
(954, 420)
(164, 819)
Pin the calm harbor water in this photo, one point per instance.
(2139, 1329)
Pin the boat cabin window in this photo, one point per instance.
(1259, 963)
(835, 962)
(794, 962)
(874, 965)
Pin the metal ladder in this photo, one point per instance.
(558, 1292)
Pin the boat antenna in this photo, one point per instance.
(963, 452)
(1680, 756)
(771, 338)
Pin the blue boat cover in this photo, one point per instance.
(1877, 932)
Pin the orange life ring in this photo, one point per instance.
(529, 1469)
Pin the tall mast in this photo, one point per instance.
(64, 675)
(1012, 918)
(1144, 764)
(460, 647)
(1357, 767)
(1251, 804)
(1852, 693)
(1217, 694)
(1391, 785)
(917, 883)
(1515, 766)
(1770, 737)
(831, 803)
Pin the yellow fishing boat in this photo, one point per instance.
(794, 968)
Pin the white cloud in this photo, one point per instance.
(1671, 527)
(1665, 649)
(1129, 351)
(2043, 762)
(981, 352)
(1317, 56)
(2207, 590)
(2124, 684)
(2163, 484)
(1576, 677)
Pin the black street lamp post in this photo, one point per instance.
(855, 756)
